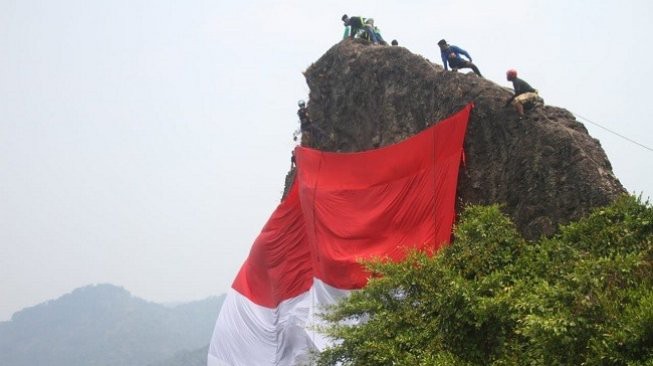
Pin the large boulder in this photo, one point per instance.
(545, 169)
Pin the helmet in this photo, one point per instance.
(301, 104)
(344, 17)
(442, 42)
(511, 74)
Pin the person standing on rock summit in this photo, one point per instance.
(524, 93)
(452, 56)
(354, 24)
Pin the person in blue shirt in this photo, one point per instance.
(452, 56)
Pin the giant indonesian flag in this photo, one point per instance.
(342, 208)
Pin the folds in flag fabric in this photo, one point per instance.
(342, 208)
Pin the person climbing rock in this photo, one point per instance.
(302, 113)
(452, 56)
(304, 122)
(355, 24)
(311, 133)
(524, 93)
(369, 23)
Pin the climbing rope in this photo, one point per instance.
(612, 132)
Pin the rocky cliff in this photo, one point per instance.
(544, 169)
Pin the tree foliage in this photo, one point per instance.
(583, 297)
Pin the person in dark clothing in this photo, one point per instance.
(355, 24)
(302, 113)
(309, 131)
(452, 56)
(524, 93)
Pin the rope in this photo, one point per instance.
(612, 132)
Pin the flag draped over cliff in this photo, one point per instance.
(342, 208)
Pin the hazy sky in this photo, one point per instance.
(145, 143)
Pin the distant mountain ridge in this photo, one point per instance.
(105, 325)
(186, 358)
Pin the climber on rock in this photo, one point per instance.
(452, 56)
(302, 113)
(355, 24)
(304, 122)
(524, 93)
(369, 22)
(309, 131)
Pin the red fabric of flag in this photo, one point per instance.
(348, 207)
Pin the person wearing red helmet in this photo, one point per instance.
(524, 93)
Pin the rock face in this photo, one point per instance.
(544, 169)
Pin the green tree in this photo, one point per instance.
(583, 297)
